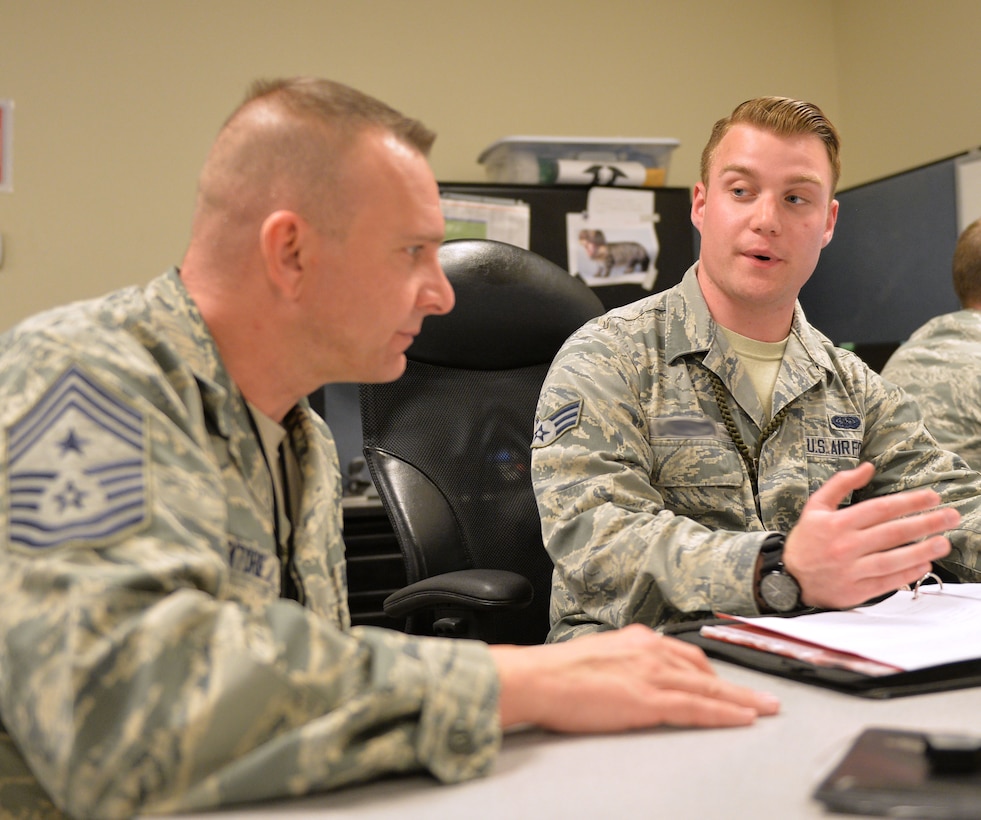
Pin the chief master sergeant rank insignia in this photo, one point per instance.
(77, 467)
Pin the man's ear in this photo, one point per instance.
(829, 227)
(698, 205)
(281, 239)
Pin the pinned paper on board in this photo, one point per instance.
(482, 217)
(614, 242)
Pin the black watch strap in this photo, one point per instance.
(772, 552)
(776, 588)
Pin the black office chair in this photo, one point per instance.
(448, 445)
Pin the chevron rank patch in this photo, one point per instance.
(77, 467)
(562, 420)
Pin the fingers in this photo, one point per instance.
(676, 698)
(702, 689)
(915, 514)
(890, 569)
(669, 651)
(627, 679)
(836, 489)
(704, 713)
(844, 557)
(855, 580)
(897, 509)
(705, 684)
(873, 511)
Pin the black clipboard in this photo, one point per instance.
(960, 675)
(888, 772)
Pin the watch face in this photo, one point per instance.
(780, 591)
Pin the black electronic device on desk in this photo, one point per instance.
(900, 773)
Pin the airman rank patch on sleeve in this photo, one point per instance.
(562, 420)
(77, 467)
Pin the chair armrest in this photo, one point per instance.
(476, 589)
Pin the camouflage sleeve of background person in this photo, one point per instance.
(622, 554)
(133, 678)
(939, 367)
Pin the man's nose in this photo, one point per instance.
(437, 295)
(766, 217)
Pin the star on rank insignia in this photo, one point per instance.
(549, 429)
(77, 465)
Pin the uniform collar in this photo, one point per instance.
(178, 318)
(690, 328)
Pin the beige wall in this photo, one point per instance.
(908, 77)
(117, 100)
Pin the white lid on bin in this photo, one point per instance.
(649, 151)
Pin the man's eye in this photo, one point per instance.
(795, 199)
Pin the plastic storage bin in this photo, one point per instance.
(578, 160)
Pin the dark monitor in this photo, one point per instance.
(888, 268)
(338, 405)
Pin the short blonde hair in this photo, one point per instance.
(784, 117)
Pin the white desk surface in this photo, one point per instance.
(768, 770)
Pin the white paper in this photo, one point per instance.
(630, 204)
(940, 625)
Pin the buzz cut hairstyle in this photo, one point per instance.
(341, 107)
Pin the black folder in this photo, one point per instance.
(893, 772)
(959, 675)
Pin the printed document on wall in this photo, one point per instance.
(613, 242)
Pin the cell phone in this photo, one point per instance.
(901, 773)
(953, 753)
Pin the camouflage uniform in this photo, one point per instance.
(943, 353)
(648, 510)
(147, 661)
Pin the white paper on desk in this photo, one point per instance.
(937, 626)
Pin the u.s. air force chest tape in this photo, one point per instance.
(845, 438)
(561, 421)
(76, 467)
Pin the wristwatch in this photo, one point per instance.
(778, 589)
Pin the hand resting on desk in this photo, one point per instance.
(612, 681)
